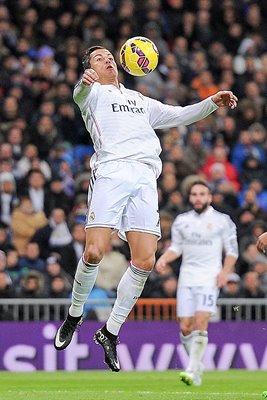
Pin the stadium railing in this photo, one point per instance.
(145, 309)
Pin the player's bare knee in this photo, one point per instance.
(186, 330)
(144, 263)
(93, 254)
(186, 327)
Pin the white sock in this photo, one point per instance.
(186, 341)
(129, 289)
(198, 346)
(84, 281)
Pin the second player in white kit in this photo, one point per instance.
(207, 241)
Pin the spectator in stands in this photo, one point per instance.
(112, 267)
(243, 148)
(260, 266)
(7, 291)
(54, 268)
(255, 196)
(252, 169)
(251, 290)
(35, 188)
(72, 253)
(204, 84)
(16, 139)
(5, 239)
(194, 150)
(8, 196)
(2, 260)
(58, 289)
(232, 290)
(218, 157)
(32, 285)
(45, 135)
(24, 165)
(24, 223)
(248, 256)
(55, 235)
(168, 287)
(12, 266)
(57, 196)
(31, 260)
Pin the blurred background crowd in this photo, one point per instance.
(204, 46)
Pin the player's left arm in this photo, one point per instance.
(166, 116)
(231, 251)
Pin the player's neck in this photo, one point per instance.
(113, 82)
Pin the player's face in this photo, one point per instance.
(102, 61)
(200, 198)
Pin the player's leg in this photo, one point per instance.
(186, 328)
(104, 212)
(97, 240)
(198, 346)
(143, 247)
(140, 225)
(205, 306)
(185, 313)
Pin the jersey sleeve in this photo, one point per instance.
(230, 238)
(167, 116)
(176, 238)
(81, 94)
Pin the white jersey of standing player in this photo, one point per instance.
(202, 239)
(121, 122)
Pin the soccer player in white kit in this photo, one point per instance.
(123, 190)
(202, 236)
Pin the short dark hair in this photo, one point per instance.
(199, 182)
(86, 57)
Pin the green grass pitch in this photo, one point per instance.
(105, 385)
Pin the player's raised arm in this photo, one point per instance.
(164, 115)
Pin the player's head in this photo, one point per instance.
(87, 56)
(102, 62)
(200, 196)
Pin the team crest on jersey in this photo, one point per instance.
(92, 216)
(209, 226)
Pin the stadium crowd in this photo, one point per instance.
(204, 46)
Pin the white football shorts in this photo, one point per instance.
(196, 298)
(123, 195)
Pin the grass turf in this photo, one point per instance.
(105, 385)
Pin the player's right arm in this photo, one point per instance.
(84, 86)
(175, 249)
(166, 258)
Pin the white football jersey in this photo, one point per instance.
(121, 122)
(202, 240)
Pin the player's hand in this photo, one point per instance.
(221, 279)
(160, 266)
(262, 242)
(89, 76)
(225, 98)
